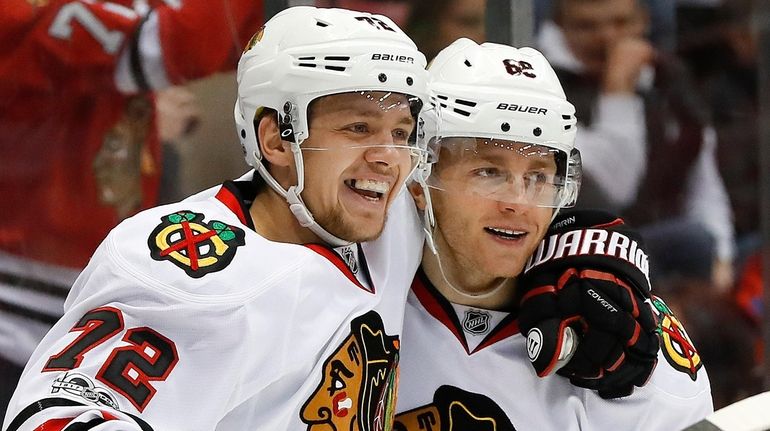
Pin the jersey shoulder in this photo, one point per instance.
(680, 371)
(199, 247)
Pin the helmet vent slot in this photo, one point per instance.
(321, 23)
(461, 112)
(568, 126)
(468, 63)
(566, 117)
(306, 65)
(335, 68)
(336, 58)
(465, 102)
(442, 97)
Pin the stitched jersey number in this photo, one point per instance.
(515, 68)
(129, 369)
(109, 39)
(97, 325)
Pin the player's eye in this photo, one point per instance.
(487, 172)
(357, 128)
(400, 135)
(535, 178)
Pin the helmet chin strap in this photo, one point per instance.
(296, 205)
(462, 293)
(305, 219)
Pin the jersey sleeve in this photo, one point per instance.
(126, 357)
(95, 45)
(204, 36)
(64, 43)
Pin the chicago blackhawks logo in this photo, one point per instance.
(357, 391)
(676, 345)
(454, 409)
(199, 248)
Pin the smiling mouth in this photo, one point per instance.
(506, 234)
(370, 189)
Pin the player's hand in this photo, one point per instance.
(625, 60)
(584, 308)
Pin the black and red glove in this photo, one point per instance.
(584, 304)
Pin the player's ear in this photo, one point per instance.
(418, 194)
(270, 143)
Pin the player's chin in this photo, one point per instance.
(503, 266)
(359, 228)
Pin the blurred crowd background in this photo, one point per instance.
(666, 93)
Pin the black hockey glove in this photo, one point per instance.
(583, 305)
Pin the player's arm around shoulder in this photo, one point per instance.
(677, 394)
(680, 383)
(143, 336)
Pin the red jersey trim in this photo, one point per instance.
(228, 194)
(337, 261)
(442, 310)
(437, 306)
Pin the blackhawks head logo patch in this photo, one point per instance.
(676, 345)
(199, 248)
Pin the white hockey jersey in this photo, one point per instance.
(465, 368)
(186, 319)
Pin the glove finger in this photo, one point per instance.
(647, 317)
(550, 345)
(537, 305)
(596, 352)
(645, 347)
(624, 296)
(617, 392)
(601, 312)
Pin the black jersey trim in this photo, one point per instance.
(238, 196)
(45, 403)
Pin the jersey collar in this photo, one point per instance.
(238, 196)
(442, 310)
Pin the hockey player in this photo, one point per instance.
(257, 304)
(502, 166)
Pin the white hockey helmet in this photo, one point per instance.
(499, 92)
(304, 53)
(507, 97)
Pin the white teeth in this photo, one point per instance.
(506, 231)
(371, 186)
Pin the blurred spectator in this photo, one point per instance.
(663, 21)
(178, 115)
(434, 24)
(648, 149)
(78, 144)
(397, 10)
(727, 343)
(722, 49)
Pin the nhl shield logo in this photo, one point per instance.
(350, 259)
(197, 247)
(476, 321)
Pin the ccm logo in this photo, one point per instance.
(392, 57)
(522, 108)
